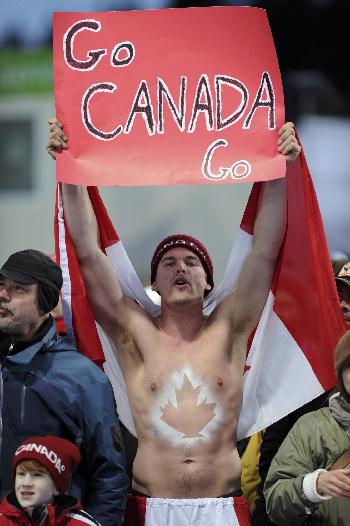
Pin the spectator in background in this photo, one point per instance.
(57, 312)
(343, 286)
(274, 435)
(338, 258)
(303, 482)
(249, 452)
(42, 469)
(49, 388)
(272, 438)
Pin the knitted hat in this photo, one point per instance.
(59, 456)
(32, 266)
(185, 241)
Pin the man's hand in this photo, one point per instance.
(334, 483)
(57, 139)
(287, 143)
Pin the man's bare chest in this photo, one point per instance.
(188, 400)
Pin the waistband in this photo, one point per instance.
(237, 493)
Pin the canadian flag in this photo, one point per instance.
(290, 360)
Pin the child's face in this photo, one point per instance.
(34, 488)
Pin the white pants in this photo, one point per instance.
(223, 511)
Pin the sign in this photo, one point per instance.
(172, 96)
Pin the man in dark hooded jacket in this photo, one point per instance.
(47, 387)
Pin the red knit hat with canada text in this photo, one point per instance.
(185, 241)
(59, 456)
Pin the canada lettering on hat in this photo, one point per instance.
(59, 456)
(50, 455)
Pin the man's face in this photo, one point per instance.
(344, 298)
(180, 276)
(34, 488)
(19, 310)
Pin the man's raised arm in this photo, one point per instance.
(269, 229)
(104, 293)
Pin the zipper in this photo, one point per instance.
(23, 395)
(2, 392)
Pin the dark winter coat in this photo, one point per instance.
(50, 389)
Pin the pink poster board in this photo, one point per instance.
(164, 97)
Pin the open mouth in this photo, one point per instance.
(27, 494)
(181, 282)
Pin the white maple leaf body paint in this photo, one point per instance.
(168, 394)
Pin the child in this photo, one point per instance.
(42, 468)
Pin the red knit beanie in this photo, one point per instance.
(185, 241)
(59, 456)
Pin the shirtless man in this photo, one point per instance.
(183, 370)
